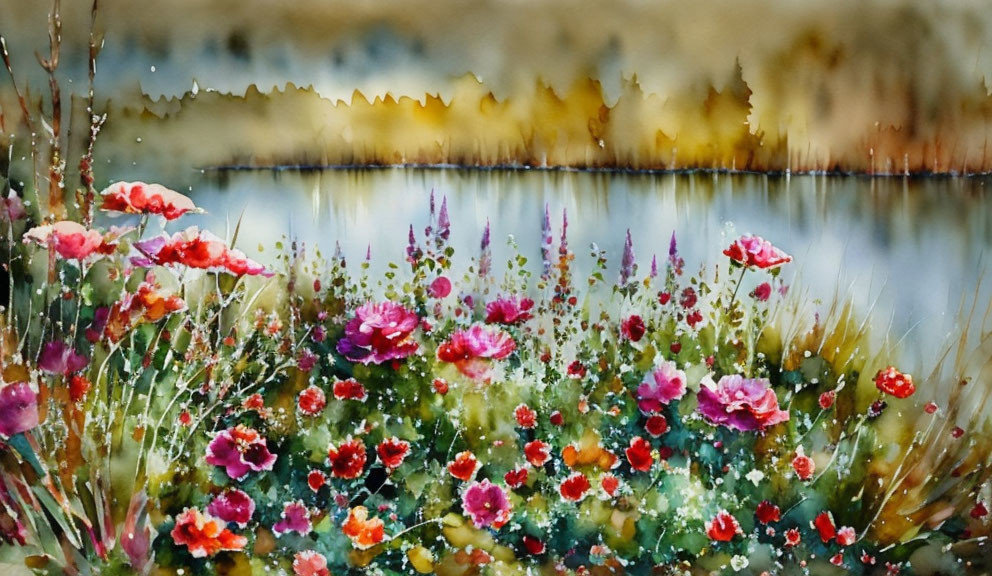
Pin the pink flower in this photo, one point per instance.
(18, 409)
(196, 248)
(295, 518)
(71, 240)
(141, 198)
(509, 311)
(11, 208)
(756, 251)
(740, 403)
(440, 287)
(233, 505)
(486, 504)
(763, 292)
(803, 465)
(59, 357)
(470, 350)
(665, 384)
(240, 450)
(310, 563)
(846, 536)
(378, 333)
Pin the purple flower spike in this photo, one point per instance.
(485, 260)
(546, 241)
(627, 266)
(443, 222)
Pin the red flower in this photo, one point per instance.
(656, 425)
(464, 466)
(537, 452)
(516, 478)
(574, 487)
(363, 531)
(803, 465)
(472, 350)
(392, 452)
(767, 512)
(348, 459)
(792, 537)
(141, 198)
(979, 511)
(440, 386)
(824, 524)
(556, 418)
(508, 311)
(827, 399)
(576, 370)
(763, 291)
(526, 416)
(846, 536)
(894, 382)
(533, 546)
(756, 251)
(203, 535)
(610, 484)
(316, 480)
(349, 389)
(196, 249)
(723, 527)
(312, 401)
(78, 387)
(633, 328)
(639, 454)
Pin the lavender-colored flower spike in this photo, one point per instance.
(443, 222)
(432, 205)
(413, 252)
(672, 248)
(338, 253)
(368, 253)
(654, 265)
(546, 242)
(627, 266)
(485, 260)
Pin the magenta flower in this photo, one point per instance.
(58, 357)
(440, 287)
(18, 409)
(233, 506)
(744, 404)
(509, 311)
(11, 208)
(240, 450)
(663, 385)
(378, 333)
(486, 504)
(195, 248)
(70, 240)
(295, 518)
(471, 350)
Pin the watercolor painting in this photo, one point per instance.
(495, 288)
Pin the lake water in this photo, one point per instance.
(919, 245)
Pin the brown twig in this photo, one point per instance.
(50, 65)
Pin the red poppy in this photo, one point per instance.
(574, 487)
(803, 465)
(979, 510)
(348, 459)
(516, 478)
(767, 512)
(846, 536)
(195, 249)
(312, 401)
(464, 466)
(824, 524)
(316, 480)
(723, 527)
(537, 452)
(827, 399)
(556, 418)
(656, 425)
(533, 546)
(78, 387)
(392, 451)
(526, 416)
(141, 198)
(576, 370)
(440, 386)
(792, 537)
(639, 454)
(610, 484)
(895, 383)
(633, 328)
(349, 389)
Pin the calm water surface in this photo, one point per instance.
(918, 245)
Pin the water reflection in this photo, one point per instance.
(917, 243)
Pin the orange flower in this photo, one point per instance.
(363, 531)
(204, 535)
(145, 305)
(464, 466)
